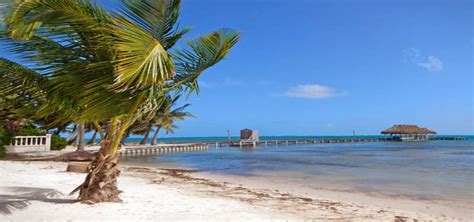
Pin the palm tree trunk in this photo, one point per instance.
(80, 137)
(147, 134)
(100, 184)
(154, 141)
(125, 136)
(92, 140)
(73, 136)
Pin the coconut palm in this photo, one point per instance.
(94, 65)
(166, 116)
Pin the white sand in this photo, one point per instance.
(38, 191)
(33, 191)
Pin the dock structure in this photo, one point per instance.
(406, 132)
(145, 150)
(297, 141)
(265, 143)
(448, 138)
(148, 150)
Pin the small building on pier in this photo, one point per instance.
(249, 135)
(404, 132)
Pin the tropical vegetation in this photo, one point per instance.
(89, 66)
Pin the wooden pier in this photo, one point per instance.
(145, 150)
(448, 138)
(311, 141)
(292, 142)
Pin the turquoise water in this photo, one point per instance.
(428, 170)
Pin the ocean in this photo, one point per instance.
(432, 170)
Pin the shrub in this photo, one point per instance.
(57, 142)
(5, 139)
(31, 131)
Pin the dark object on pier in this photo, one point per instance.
(408, 133)
(245, 134)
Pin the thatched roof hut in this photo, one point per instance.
(407, 129)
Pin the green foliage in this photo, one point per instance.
(5, 139)
(31, 131)
(57, 142)
(89, 64)
(166, 116)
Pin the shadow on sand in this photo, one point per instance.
(18, 198)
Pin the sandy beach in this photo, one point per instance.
(39, 191)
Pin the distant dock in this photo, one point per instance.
(313, 141)
(300, 141)
(147, 150)
(448, 138)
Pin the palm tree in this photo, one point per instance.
(94, 65)
(166, 116)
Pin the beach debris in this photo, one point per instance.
(77, 167)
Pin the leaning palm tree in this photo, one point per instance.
(93, 65)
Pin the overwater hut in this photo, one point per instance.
(249, 135)
(408, 133)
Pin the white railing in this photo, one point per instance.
(21, 144)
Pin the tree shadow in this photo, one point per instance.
(18, 198)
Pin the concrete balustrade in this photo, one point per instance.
(21, 144)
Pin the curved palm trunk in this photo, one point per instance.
(124, 137)
(100, 184)
(147, 134)
(80, 137)
(154, 141)
(73, 136)
(92, 140)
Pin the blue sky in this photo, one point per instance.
(325, 67)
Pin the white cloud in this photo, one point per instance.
(433, 64)
(430, 63)
(313, 91)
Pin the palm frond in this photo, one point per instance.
(202, 53)
(32, 16)
(141, 61)
(16, 78)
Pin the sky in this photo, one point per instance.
(321, 67)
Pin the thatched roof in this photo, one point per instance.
(407, 129)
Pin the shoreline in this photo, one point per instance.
(183, 194)
(408, 206)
